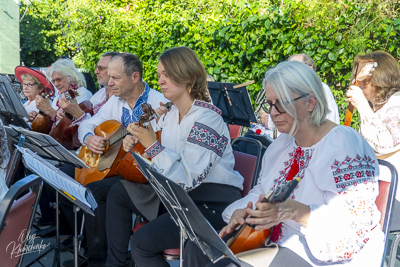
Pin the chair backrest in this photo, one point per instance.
(234, 130)
(246, 165)
(256, 148)
(385, 200)
(17, 210)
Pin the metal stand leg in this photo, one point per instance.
(393, 250)
(76, 209)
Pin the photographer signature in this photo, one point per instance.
(25, 244)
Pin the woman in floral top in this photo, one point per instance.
(331, 216)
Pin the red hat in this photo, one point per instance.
(47, 85)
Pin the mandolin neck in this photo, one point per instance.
(118, 136)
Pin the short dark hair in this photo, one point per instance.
(131, 63)
(110, 54)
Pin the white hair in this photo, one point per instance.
(290, 77)
(66, 67)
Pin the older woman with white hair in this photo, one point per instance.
(330, 217)
(68, 81)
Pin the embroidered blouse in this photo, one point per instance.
(339, 183)
(382, 128)
(196, 150)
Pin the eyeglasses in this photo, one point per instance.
(100, 68)
(29, 85)
(267, 105)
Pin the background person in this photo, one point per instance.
(331, 216)
(377, 101)
(33, 83)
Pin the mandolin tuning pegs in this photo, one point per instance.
(375, 64)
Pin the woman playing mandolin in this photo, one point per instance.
(330, 216)
(194, 152)
(66, 78)
(377, 101)
(33, 84)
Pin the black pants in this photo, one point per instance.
(95, 226)
(161, 233)
(194, 257)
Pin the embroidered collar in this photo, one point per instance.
(137, 111)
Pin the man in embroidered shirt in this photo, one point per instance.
(129, 92)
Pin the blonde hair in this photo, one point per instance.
(183, 67)
(66, 67)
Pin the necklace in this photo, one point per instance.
(183, 115)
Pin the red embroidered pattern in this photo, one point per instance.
(353, 171)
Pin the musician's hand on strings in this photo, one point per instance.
(43, 104)
(129, 142)
(267, 215)
(60, 114)
(32, 115)
(95, 143)
(238, 218)
(356, 97)
(146, 136)
(71, 107)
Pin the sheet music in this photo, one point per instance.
(58, 179)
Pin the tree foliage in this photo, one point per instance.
(236, 40)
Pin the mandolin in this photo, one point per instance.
(42, 123)
(247, 237)
(128, 168)
(361, 72)
(64, 132)
(106, 164)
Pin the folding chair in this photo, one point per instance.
(248, 146)
(17, 210)
(384, 202)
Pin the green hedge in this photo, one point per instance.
(236, 40)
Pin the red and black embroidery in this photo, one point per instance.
(207, 105)
(353, 171)
(206, 137)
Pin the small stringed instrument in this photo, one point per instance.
(247, 237)
(65, 133)
(42, 123)
(128, 168)
(106, 164)
(361, 72)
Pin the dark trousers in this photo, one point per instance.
(95, 226)
(148, 243)
(194, 257)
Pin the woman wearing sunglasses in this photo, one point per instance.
(330, 217)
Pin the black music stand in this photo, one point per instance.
(234, 104)
(186, 215)
(11, 109)
(44, 145)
